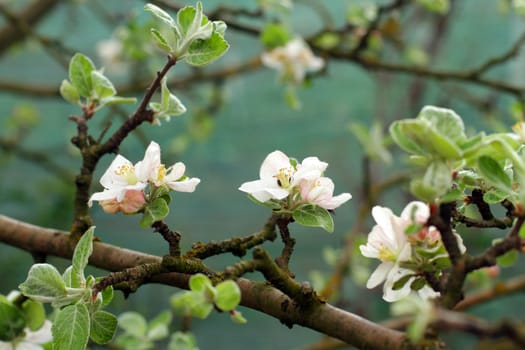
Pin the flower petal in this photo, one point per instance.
(186, 185)
(379, 274)
(273, 163)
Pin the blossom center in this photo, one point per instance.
(127, 172)
(386, 254)
(284, 177)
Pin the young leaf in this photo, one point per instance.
(508, 259)
(154, 211)
(69, 92)
(71, 328)
(182, 341)
(80, 68)
(12, 321)
(199, 282)
(161, 41)
(494, 173)
(81, 255)
(43, 283)
(160, 14)
(274, 35)
(185, 20)
(202, 52)
(445, 121)
(102, 86)
(158, 327)
(107, 295)
(133, 323)
(103, 327)
(34, 314)
(228, 295)
(314, 216)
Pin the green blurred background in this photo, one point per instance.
(225, 148)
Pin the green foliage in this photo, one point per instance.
(12, 322)
(154, 211)
(274, 35)
(438, 6)
(202, 297)
(192, 37)
(182, 341)
(34, 314)
(138, 333)
(90, 84)
(169, 106)
(71, 327)
(78, 313)
(314, 216)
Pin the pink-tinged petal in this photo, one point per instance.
(132, 202)
(310, 169)
(379, 274)
(273, 163)
(186, 185)
(336, 201)
(110, 206)
(146, 168)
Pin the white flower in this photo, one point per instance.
(152, 170)
(117, 180)
(293, 60)
(320, 191)
(388, 242)
(110, 52)
(276, 175)
(32, 340)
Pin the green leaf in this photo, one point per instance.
(491, 170)
(80, 259)
(185, 19)
(202, 52)
(269, 204)
(228, 295)
(438, 176)
(133, 323)
(71, 328)
(237, 317)
(34, 314)
(445, 121)
(102, 86)
(274, 35)
(314, 216)
(439, 6)
(161, 41)
(397, 131)
(196, 304)
(400, 283)
(199, 282)
(69, 92)
(508, 259)
(418, 283)
(154, 211)
(66, 276)
(182, 341)
(113, 100)
(43, 283)
(80, 68)
(161, 14)
(158, 327)
(103, 327)
(12, 321)
(107, 295)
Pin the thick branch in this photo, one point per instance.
(258, 296)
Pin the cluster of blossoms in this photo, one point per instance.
(125, 184)
(292, 184)
(406, 246)
(293, 61)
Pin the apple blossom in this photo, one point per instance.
(293, 60)
(275, 174)
(31, 340)
(117, 180)
(125, 184)
(320, 191)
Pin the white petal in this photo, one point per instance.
(382, 217)
(379, 274)
(41, 335)
(253, 186)
(395, 275)
(103, 196)
(428, 293)
(336, 201)
(187, 185)
(417, 210)
(176, 171)
(5, 346)
(273, 163)
(150, 163)
(112, 177)
(277, 193)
